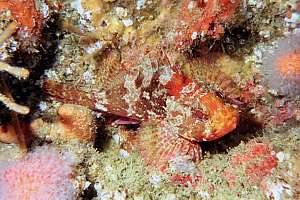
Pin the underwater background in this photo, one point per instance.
(149, 100)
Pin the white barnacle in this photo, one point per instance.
(204, 194)
(155, 180)
(183, 164)
(117, 138)
(194, 35)
(280, 156)
(133, 93)
(166, 75)
(274, 190)
(146, 95)
(43, 106)
(120, 195)
(100, 106)
(189, 88)
(101, 97)
(152, 114)
(208, 129)
(123, 153)
(187, 111)
(140, 4)
(85, 15)
(174, 106)
(191, 6)
(148, 72)
(121, 12)
(127, 22)
(94, 47)
(44, 8)
(88, 77)
(170, 128)
(77, 5)
(101, 101)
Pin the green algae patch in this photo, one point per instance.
(116, 170)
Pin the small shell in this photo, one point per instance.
(75, 122)
(78, 121)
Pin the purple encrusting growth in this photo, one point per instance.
(44, 174)
(275, 80)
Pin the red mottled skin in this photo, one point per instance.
(176, 84)
(205, 18)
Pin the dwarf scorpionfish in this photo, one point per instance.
(174, 112)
